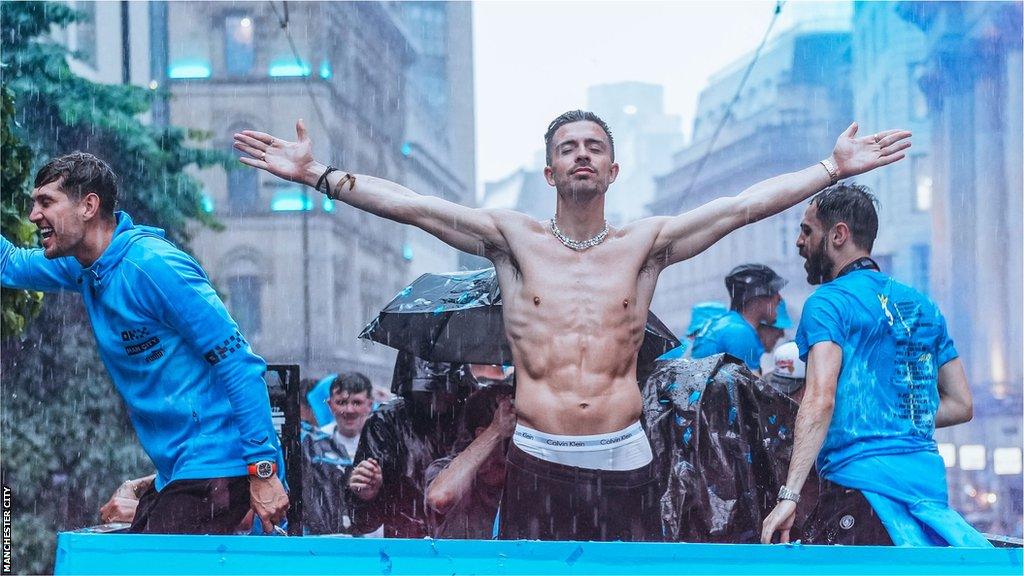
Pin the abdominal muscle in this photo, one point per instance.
(563, 389)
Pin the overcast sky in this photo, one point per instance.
(535, 60)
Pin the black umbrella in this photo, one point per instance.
(456, 317)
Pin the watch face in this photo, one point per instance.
(264, 469)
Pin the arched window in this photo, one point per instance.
(243, 281)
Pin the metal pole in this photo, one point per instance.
(306, 205)
(126, 45)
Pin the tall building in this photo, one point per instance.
(793, 106)
(300, 274)
(645, 139)
(524, 191)
(439, 148)
(970, 74)
(887, 58)
(111, 41)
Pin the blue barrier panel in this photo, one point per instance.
(79, 553)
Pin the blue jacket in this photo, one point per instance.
(732, 334)
(192, 385)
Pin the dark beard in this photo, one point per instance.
(819, 266)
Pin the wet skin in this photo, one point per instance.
(575, 319)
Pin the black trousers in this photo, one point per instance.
(204, 506)
(547, 501)
(844, 516)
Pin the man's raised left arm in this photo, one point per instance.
(686, 235)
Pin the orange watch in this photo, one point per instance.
(263, 469)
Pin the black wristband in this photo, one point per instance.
(323, 178)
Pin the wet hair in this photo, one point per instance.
(79, 174)
(352, 383)
(853, 204)
(575, 116)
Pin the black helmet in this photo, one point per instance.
(748, 281)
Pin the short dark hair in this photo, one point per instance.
(853, 204)
(352, 383)
(575, 116)
(80, 173)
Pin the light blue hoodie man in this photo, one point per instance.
(193, 387)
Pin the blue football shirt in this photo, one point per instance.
(894, 340)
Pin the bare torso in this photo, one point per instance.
(575, 321)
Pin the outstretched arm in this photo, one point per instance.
(469, 229)
(684, 236)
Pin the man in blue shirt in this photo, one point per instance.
(753, 300)
(882, 374)
(701, 316)
(192, 386)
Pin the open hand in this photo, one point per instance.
(855, 156)
(366, 479)
(289, 160)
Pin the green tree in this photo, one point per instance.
(66, 439)
(16, 158)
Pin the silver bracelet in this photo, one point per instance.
(832, 169)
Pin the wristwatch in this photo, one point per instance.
(263, 469)
(787, 494)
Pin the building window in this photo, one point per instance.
(239, 54)
(948, 453)
(918, 102)
(1006, 461)
(922, 177)
(244, 302)
(920, 255)
(972, 457)
(85, 33)
(243, 181)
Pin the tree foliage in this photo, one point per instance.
(66, 439)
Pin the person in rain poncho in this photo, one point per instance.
(721, 439)
(882, 374)
(193, 387)
(328, 454)
(463, 489)
(399, 442)
(753, 299)
(575, 297)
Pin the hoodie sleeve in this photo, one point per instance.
(29, 269)
(177, 292)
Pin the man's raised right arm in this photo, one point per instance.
(471, 230)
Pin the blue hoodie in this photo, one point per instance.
(193, 387)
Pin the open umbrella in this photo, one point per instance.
(456, 317)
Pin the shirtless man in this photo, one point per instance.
(575, 295)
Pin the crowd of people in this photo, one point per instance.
(585, 445)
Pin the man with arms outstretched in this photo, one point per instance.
(575, 295)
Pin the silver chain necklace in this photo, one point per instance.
(579, 244)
